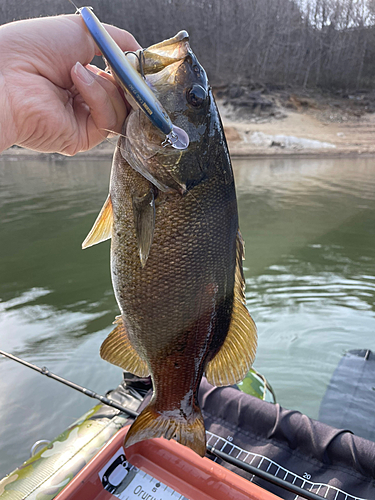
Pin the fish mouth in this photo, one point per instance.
(159, 56)
(168, 68)
(163, 54)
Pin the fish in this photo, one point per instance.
(176, 252)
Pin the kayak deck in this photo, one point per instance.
(284, 443)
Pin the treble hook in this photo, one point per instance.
(141, 60)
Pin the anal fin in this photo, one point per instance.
(236, 355)
(116, 349)
(102, 228)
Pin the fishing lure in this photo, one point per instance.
(132, 82)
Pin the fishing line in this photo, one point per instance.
(189, 193)
(136, 162)
(139, 141)
(217, 453)
(74, 5)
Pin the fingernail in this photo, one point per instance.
(83, 74)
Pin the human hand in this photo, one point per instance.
(48, 100)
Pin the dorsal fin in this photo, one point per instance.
(233, 361)
(102, 228)
(116, 349)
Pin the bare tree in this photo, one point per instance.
(326, 43)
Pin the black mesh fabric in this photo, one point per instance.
(331, 462)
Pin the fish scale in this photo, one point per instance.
(176, 253)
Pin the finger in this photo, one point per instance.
(109, 76)
(107, 108)
(55, 44)
(107, 81)
(124, 39)
(100, 72)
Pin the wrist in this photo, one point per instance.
(6, 119)
(8, 135)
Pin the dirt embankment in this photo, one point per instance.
(258, 122)
(275, 123)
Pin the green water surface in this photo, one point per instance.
(309, 228)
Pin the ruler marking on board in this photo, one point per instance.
(332, 492)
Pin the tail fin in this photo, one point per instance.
(187, 431)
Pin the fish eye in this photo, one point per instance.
(196, 95)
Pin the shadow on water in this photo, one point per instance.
(309, 227)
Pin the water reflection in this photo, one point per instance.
(309, 227)
(310, 272)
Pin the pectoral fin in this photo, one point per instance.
(116, 349)
(233, 361)
(102, 228)
(144, 222)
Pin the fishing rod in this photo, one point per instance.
(72, 385)
(309, 495)
(220, 454)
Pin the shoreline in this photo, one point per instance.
(10, 155)
(288, 129)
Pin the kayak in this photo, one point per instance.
(88, 459)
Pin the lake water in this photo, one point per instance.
(309, 228)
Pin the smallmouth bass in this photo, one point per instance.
(176, 252)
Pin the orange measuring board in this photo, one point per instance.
(157, 469)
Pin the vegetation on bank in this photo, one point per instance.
(304, 43)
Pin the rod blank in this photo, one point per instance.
(309, 495)
(72, 385)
